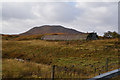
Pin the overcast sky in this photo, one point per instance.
(18, 17)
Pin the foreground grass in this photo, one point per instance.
(81, 54)
(48, 52)
(17, 69)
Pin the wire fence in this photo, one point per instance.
(75, 72)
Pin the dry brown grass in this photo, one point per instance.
(16, 69)
(81, 54)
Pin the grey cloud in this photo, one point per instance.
(66, 13)
(88, 17)
(100, 14)
(17, 10)
(61, 12)
(100, 4)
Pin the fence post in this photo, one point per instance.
(38, 71)
(107, 64)
(53, 72)
(95, 71)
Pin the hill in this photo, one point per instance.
(48, 29)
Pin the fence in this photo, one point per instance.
(69, 71)
(75, 72)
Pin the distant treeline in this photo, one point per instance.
(110, 34)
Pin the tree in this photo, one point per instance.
(110, 34)
(115, 35)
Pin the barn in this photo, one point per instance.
(82, 36)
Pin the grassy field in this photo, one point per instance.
(81, 54)
(16, 69)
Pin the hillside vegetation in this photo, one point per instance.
(81, 54)
(26, 37)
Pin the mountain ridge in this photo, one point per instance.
(48, 29)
